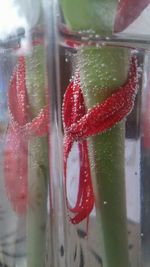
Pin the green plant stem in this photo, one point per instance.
(90, 15)
(37, 163)
(102, 71)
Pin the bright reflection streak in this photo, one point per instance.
(10, 19)
(141, 26)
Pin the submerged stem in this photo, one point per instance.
(37, 162)
(102, 71)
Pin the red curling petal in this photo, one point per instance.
(73, 104)
(78, 125)
(103, 116)
(127, 12)
(73, 110)
(85, 196)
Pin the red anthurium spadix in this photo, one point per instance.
(127, 12)
(19, 130)
(80, 123)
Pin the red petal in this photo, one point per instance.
(127, 12)
(73, 104)
(85, 198)
(74, 110)
(111, 111)
(78, 125)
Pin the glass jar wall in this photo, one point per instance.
(24, 129)
(100, 109)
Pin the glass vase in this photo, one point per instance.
(100, 133)
(24, 131)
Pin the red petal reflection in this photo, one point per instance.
(127, 12)
(19, 131)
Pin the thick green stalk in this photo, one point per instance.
(102, 71)
(90, 15)
(37, 163)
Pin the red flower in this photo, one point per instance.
(80, 124)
